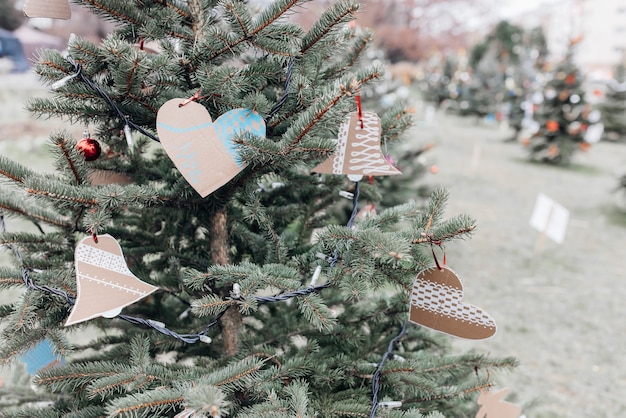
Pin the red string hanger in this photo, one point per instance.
(359, 107)
(358, 152)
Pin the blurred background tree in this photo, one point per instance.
(562, 117)
(613, 107)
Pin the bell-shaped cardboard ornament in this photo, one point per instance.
(358, 150)
(104, 284)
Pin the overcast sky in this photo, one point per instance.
(510, 8)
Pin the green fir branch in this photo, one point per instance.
(25, 209)
(340, 12)
(359, 43)
(237, 375)
(210, 305)
(15, 172)
(271, 14)
(75, 376)
(395, 122)
(145, 404)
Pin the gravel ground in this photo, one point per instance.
(559, 307)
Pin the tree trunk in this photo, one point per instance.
(220, 254)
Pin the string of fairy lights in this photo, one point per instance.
(202, 335)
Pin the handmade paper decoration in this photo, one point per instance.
(550, 218)
(203, 150)
(104, 283)
(436, 304)
(41, 357)
(54, 9)
(492, 405)
(358, 150)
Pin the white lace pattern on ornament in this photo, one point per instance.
(366, 156)
(446, 301)
(106, 261)
(342, 144)
(102, 259)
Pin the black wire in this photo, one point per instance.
(188, 338)
(355, 205)
(355, 210)
(86, 80)
(379, 369)
(28, 282)
(286, 296)
(283, 99)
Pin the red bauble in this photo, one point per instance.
(552, 126)
(90, 148)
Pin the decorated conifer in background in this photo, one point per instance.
(442, 83)
(613, 108)
(565, 121)
(196, 238)
(523, 79)
(490, 62)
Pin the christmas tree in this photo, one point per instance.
(246, 290)
(441, 84)
(490, 62)
(563, 116)
(613, 108)
(522, 79)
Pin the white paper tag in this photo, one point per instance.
(550, 218)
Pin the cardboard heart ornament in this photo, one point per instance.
(104, 284)
(235, 121)
(436, 304)
(41, 357)
(202, 150)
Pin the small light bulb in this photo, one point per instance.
(156, 324)
(185, 314)
(236, 294)
(62, 82)
(316, 275)
(129, 136)
(390, 404)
